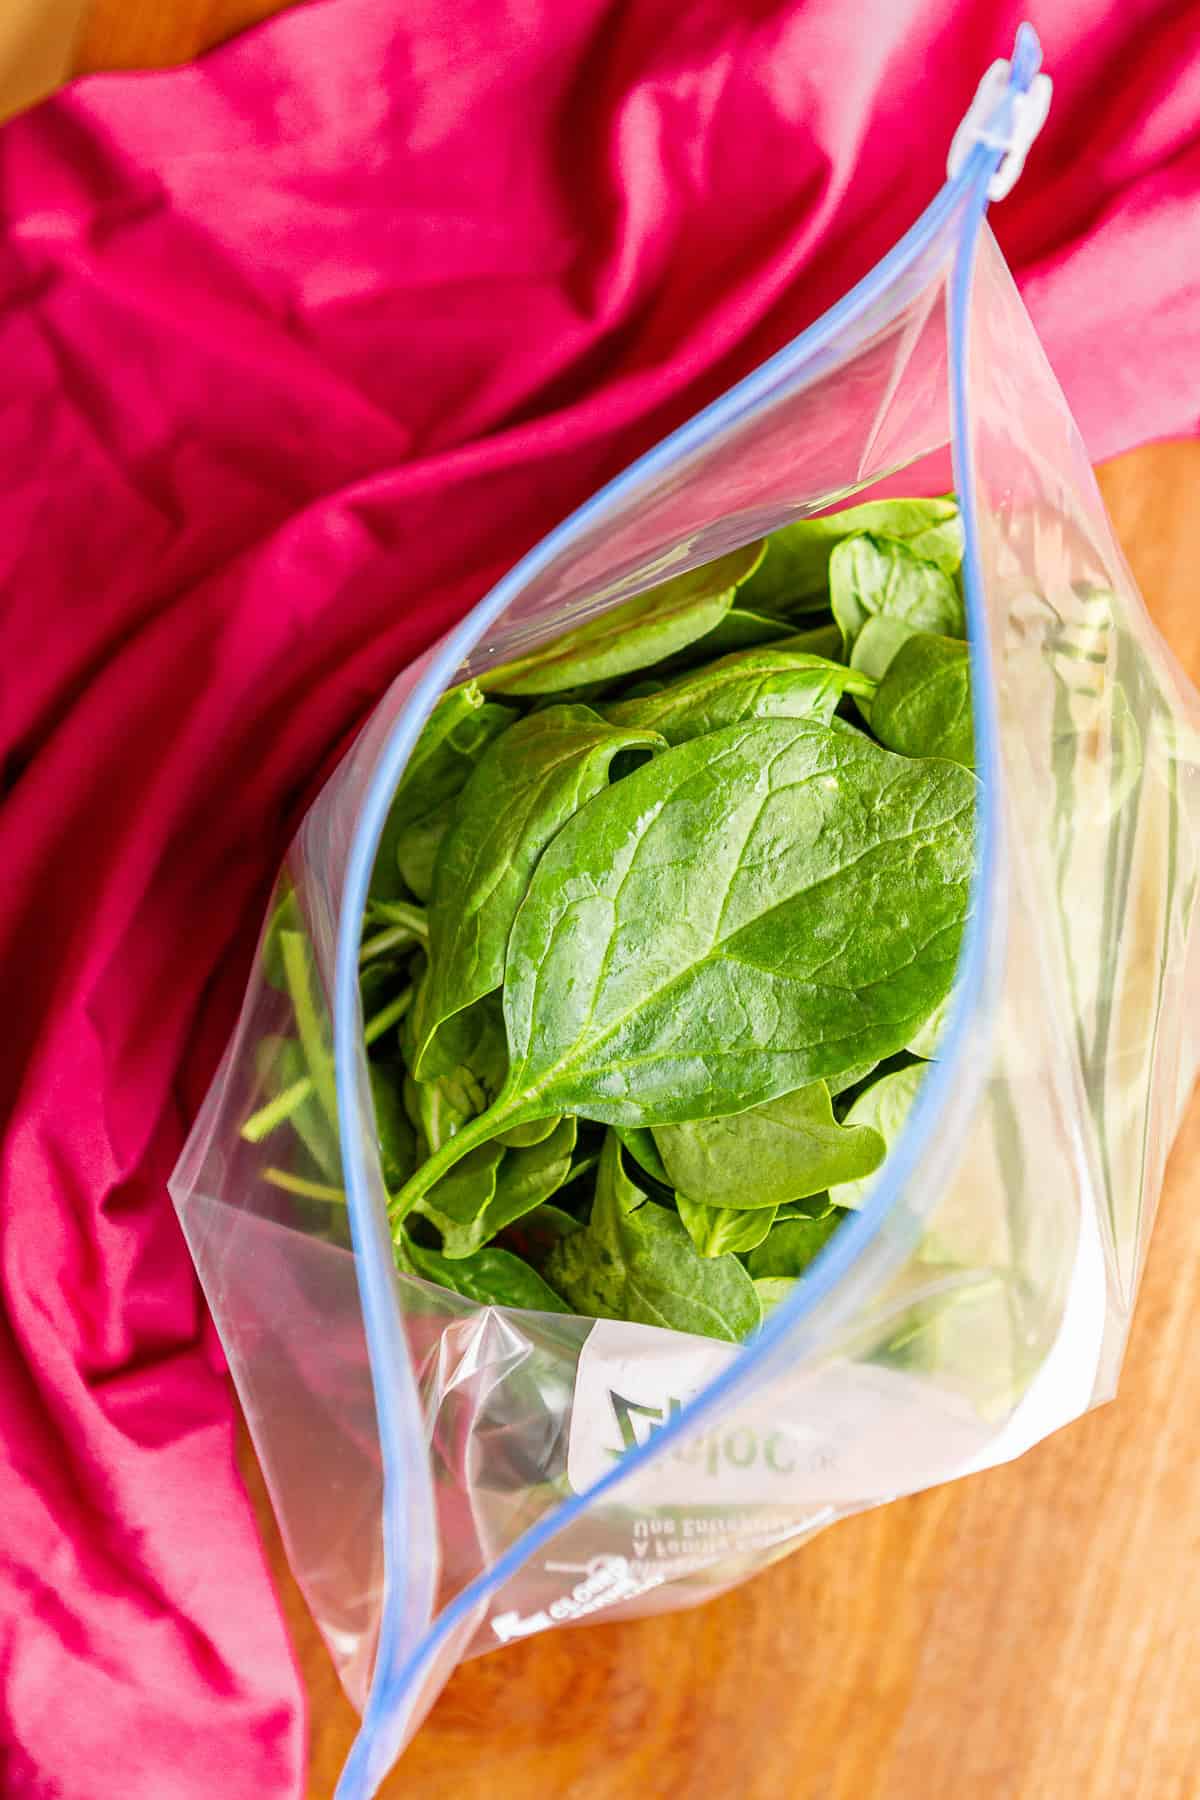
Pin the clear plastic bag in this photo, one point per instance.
(450, 1477)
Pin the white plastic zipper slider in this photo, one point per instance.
(1003, 121)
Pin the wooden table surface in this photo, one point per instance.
(1032, 1633)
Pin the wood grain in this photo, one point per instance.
(1032, 1633)
(146, 34)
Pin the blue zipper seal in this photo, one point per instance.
(997, 141)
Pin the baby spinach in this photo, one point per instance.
(522, 1137)
(871, 576)
(790, 1246)
(722, 1230)
(639, 1141)
(818, 640)
(926, 1040)
(634, 1260)
(455, 735)
(526, 787)
(836, 882)
(417, 848)
(455, 1202)
(923, 703)
(772, 1291)
(796, 572)
(491, 1188)
(883, 1107)
(654, 926)
(738, 630)
(771, 1154)
(394, 1133)
(639, 632)
(490, 1277)
(758, 684)
(878, 642)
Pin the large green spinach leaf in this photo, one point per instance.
(530, 782)
(783, 1150)
(836, 886)
(636, 1261)
(633, 635)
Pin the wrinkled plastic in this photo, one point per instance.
(449, 1478)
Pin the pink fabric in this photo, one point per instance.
(300, 349)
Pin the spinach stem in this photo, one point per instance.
(296, 1184)
(399, 912)
(387, 1016)
(297, 969)
(260, 1124)
(392, 937)
(479, 1130)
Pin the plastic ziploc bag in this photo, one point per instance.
(451, 1475)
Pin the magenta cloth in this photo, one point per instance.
(301, 348)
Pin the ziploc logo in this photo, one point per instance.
(637, 1423)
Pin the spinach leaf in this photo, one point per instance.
(490, 1278)
(819, 640)
(869, 576)
(848, 1078)
(639, 1141)
(491, 1188)
(827, 925)
(795, 573)
(436, 1117)
(878, 642)
(394, 1133)
(456, 1203)
(721, 1230)
(521, 1137)
(836, 885)
(813, 1206)
(926, 1041)
(883, 1107)
(772, 1291)
(874, 648)
(527, 1178)
(636, 1261)
(923, 704)
(791, 1246)
(527, 785)
(632, 635)
(738, 630)
(456, 733)
(758, 684)
(768, 1155)
(417, 849)
(472, 1062)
